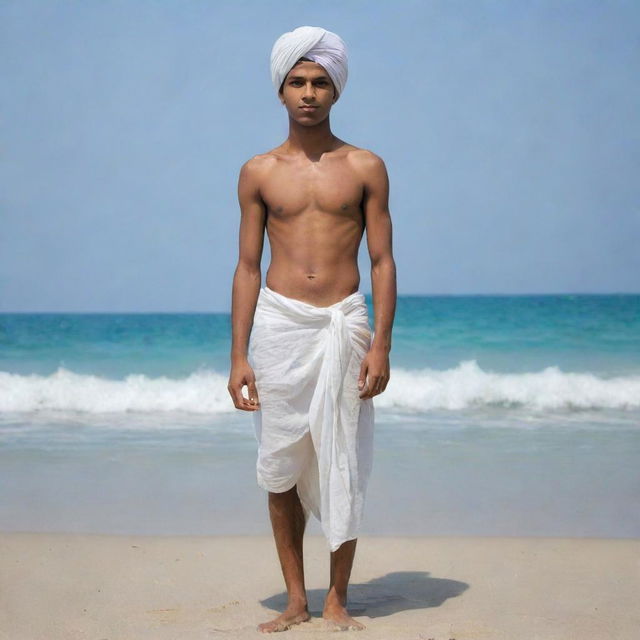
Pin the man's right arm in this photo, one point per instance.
(246, 282)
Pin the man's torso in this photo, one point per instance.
(314, 222)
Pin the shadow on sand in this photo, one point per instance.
(384, 596)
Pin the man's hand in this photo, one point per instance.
(375, 372)
(241, 375)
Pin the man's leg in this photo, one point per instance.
(287, 520)
(336, 601)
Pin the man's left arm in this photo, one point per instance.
(375, 369)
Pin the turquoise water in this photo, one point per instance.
(597, 334)
(504, 415)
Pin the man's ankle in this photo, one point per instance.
(335, 597)
(298, 602)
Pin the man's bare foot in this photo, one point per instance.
(291, 616)
(338, 618)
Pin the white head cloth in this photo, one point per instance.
(322, 46)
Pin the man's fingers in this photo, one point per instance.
(382, 384)
(251, 403)
(236, 396)
(253, 393)
(362, 376)
(365, 392)
(240, 401)
(374, 386)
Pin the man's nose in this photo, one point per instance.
(309, 90)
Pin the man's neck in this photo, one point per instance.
(310, 141)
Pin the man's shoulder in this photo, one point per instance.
(259, 162)
(364, 160)
(267, 158)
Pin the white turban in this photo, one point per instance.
(323, 47)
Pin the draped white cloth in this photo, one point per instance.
(322, 46)
(313, 429)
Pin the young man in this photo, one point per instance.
(302, 345)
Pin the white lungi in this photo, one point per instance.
(313, 429)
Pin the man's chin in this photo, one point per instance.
(307, 120)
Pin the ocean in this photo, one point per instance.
(504, 415)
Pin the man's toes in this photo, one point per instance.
(272, 628)
(283, 622)
(273, 625)
(344, 624)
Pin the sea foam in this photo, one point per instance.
(465, 386)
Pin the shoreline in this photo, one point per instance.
(92, 585)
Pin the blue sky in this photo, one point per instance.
(510, 131)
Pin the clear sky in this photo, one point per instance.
(510, 131)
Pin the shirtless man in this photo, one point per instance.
(314, 194)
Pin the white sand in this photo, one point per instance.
(67, 587)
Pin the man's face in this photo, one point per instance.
(308, 93)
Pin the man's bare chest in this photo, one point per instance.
(330, 187)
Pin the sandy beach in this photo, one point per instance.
(75, 586)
